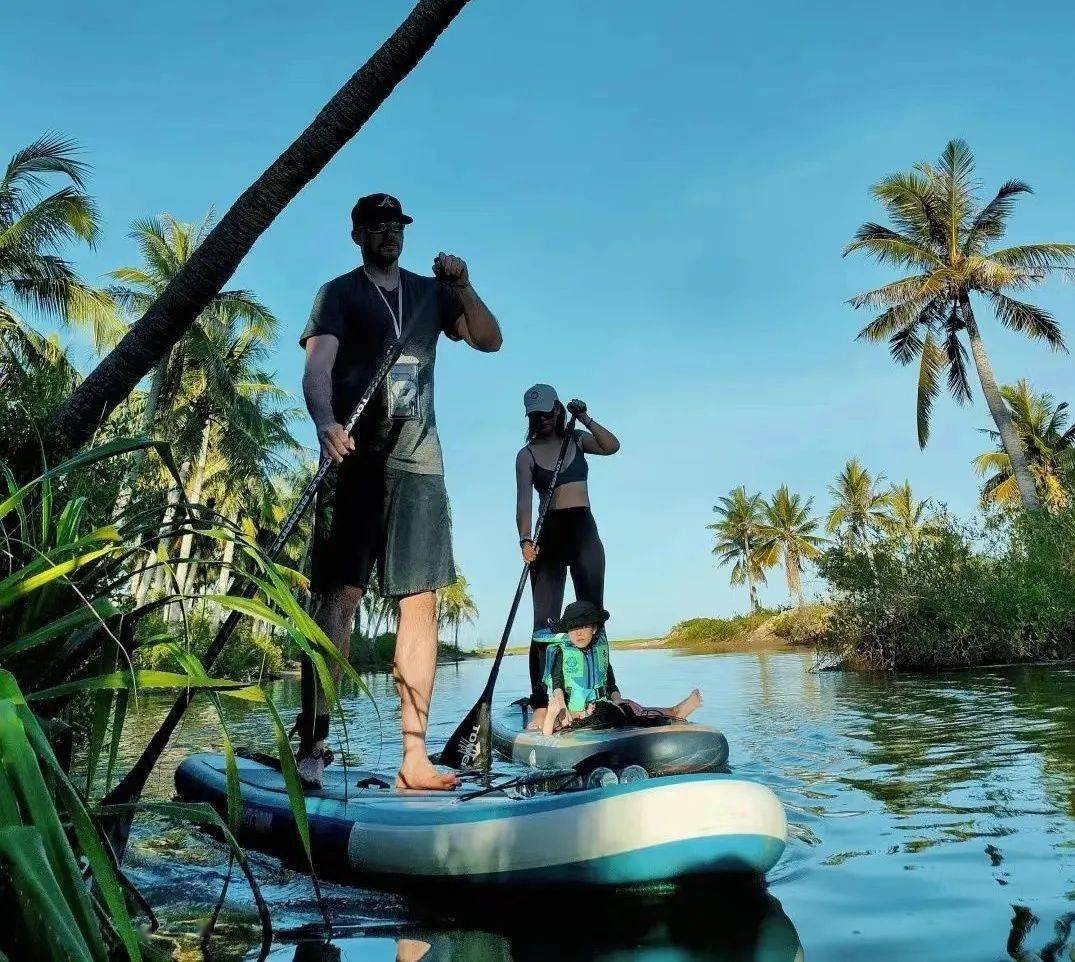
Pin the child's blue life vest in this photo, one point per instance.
(585, 670)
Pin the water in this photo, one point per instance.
(931, 818)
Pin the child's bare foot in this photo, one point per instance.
(420, 775)
(538, 720)
(689, 704)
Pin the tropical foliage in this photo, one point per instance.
(859, 506)
(455, 607)
(70, 642)
(907, 520)
(38, 220)
(945, 237)
(1049, 442)
(739, 539)
(793, 535)
(964, 596)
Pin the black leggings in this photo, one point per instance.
(569, 540)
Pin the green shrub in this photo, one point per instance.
(696, 630)
(248, 655)
(801, 626)
(1003, 592)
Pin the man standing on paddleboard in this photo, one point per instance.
(387, 503)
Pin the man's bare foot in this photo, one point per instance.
(538, 720)
(419, 775)
(689, 704)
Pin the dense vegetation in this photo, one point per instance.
(909, 586)
(1003, 592)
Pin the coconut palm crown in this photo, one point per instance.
(740, 541)
(1042, 426)
(944, 236)
(859, 506)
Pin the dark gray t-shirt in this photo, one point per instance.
(350, 308)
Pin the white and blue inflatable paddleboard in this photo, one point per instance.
(645, 833)
(676, 749)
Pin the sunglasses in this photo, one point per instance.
(395, 226)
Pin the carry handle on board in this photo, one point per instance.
(470, 746)
(131, 785)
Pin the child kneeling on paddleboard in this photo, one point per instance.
(579, 676)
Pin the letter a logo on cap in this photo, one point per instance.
(389, 201)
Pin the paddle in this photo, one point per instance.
(471, 743)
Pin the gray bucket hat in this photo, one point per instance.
(540, 398)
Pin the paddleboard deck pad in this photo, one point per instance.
(676, 749)
(654, 832)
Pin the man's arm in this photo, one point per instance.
(477, 325)
(335, 442)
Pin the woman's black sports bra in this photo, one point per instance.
(577, 470)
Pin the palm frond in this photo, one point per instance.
(991, 220)
(890, 247)
(50, 154)
(956, 359)
(1028, 319)
(911, 201)
(932, 362)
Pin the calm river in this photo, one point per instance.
(931, 818)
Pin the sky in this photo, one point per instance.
(653, 199)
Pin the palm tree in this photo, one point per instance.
(455, 606)
(166, 245)
(217, 259)
(791, 534)
(943, 234)
(35, 226)
(859, 508)
(1049, 444)
(907, 519)
(740, 541)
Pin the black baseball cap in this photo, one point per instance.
(378, 209)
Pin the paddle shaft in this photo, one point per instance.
(131, 785)
(543, 508)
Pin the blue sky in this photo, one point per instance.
(652, 198)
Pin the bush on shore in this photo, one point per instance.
(248, 655)
(1004, 592)
(806, 625)
(377, 654)
(716, 630)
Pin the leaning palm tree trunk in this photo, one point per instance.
(215, 260)
(1013, 446)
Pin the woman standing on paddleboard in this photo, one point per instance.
(569, 539)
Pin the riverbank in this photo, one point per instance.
(765, 631)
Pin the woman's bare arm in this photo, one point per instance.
(601, 440)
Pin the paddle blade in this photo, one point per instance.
(471, 744)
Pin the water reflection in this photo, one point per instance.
(922, 810)
(714, 925)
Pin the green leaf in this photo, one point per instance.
(89, 840)
(133, 680)
(97, 610)
(86, 459)
(18, 585)
(54, 932)
(20, 767)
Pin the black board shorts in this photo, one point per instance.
(369, 515)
